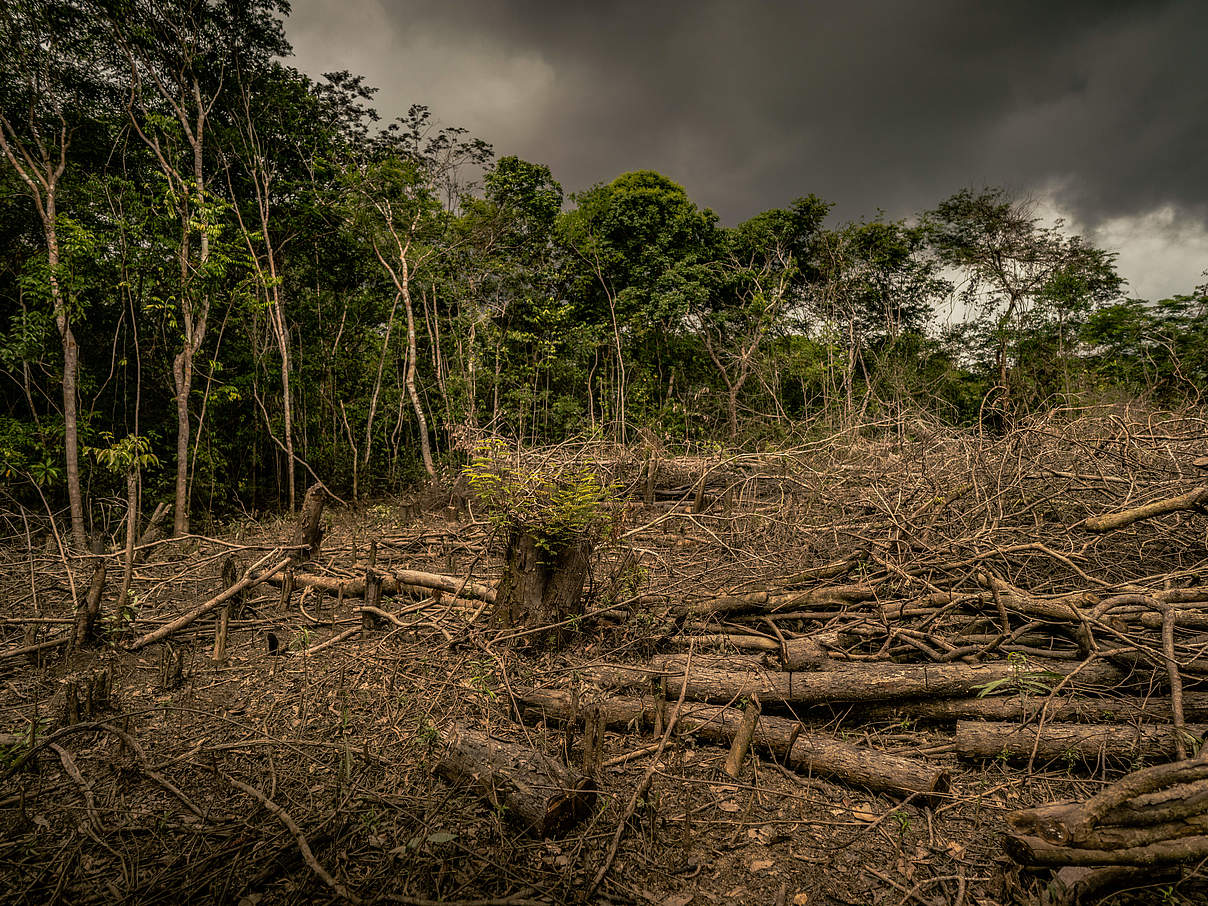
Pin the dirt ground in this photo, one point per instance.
(282, 776)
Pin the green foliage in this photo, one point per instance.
(556, 502)
(122, 456)
(1022, 680)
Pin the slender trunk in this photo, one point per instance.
(182, 375)
(286, 401)
(132, 507)
(377, 383)
(424, 447)
(71, 367)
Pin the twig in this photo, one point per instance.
(643, 787)
(304, 847)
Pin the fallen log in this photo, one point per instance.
(541, 792)
(866, 683)
(406, 581)
(1144, 790)
(801, 749)
(1077, 709)
(988, 740)
(1028, 850)
(773, 601)
(1176, 805)
(1191, 500)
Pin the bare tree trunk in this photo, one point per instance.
(71, 369)
(425, 447)
(182, 376)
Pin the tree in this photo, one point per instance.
(395, 204)
(1012, 264)
(51, 84)
(764, 265)
(641, 252)
(177, 53)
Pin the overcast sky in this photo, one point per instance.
(1097, 110)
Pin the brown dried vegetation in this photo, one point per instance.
(301, 765)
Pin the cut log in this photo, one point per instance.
(1075, 710)
(866, 683)
(988, 740)
(406, 581)
(1036, 851)
(1181, 804)
(773, 601)
(540, 792)
(1148, 788)
(1191, 500)
(785, 739)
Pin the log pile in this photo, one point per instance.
(1058, 617)
(1155, 816)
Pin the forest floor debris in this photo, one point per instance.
(968, 662)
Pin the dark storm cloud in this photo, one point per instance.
(1099, 106)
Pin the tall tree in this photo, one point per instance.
(51, 83)
(1009, 260)
(179, 52)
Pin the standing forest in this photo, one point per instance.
(380, 521)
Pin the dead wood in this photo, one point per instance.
(308, 535)
(866, 683)
(1076, 709)
(776, 600)
(250, 579)
(1192, 500)
(1028, 850)
(786, 739)
(407, 581)
(989, 740)
(542, 793)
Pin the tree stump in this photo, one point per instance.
(542, 587)
(85, 629)
(86, 695)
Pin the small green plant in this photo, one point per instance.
(300, 640)
(903, 821)
(1021, 679)
(427, 733)
(13, 752)
(557, 502)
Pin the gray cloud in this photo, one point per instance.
(1096, 106)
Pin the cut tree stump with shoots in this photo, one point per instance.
(551, 515)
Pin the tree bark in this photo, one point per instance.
(785, 739)
(1079, 709)
(866, 683)
(988, 740)
(1194, 499)
(540, 587)
(540, 792)
(308, 536)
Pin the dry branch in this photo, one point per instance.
(1189, 501)
(250, 578)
